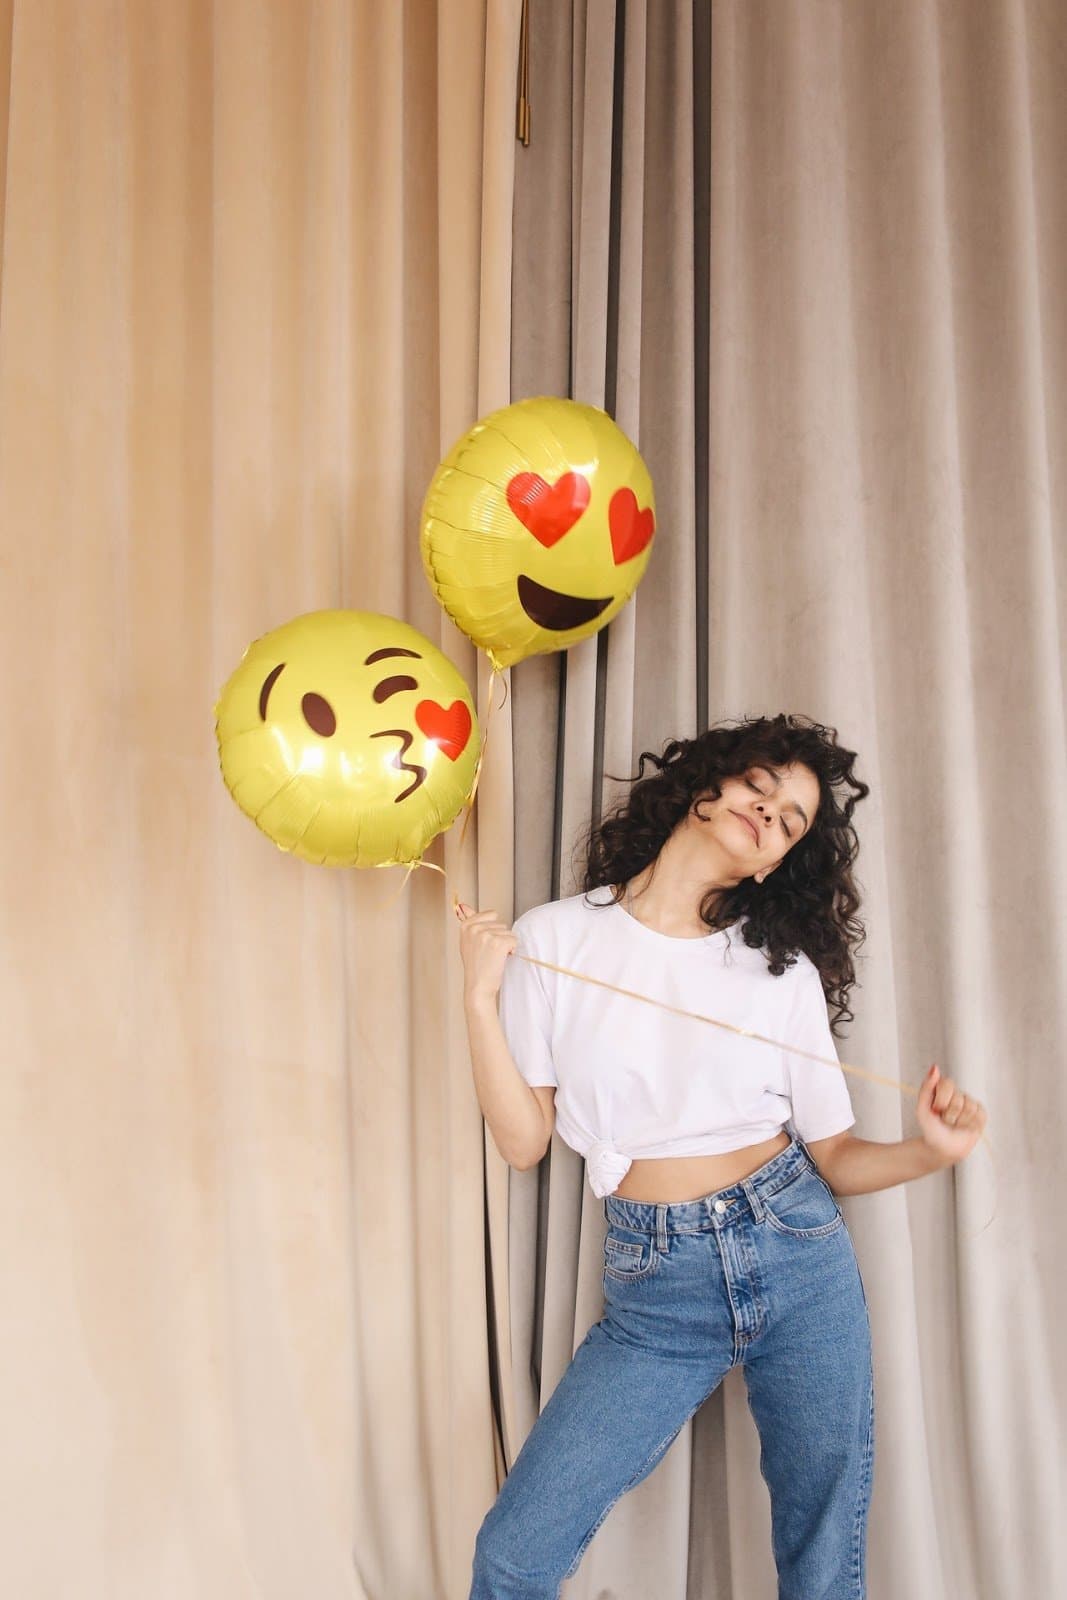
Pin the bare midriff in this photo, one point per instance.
(669, 1179)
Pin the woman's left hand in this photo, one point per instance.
(950, 1121)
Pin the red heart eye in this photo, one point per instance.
(548, 510)
(450, 725)
(631, 528)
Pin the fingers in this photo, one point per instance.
(466, 913)
(948, 1100)
(956, 1109)
(963, 1112)
(485, 921)
(950, 1116)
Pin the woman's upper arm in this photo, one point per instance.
(823, 1151)
(546, 1098)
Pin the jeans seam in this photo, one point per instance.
(618, 1276)
(863, 1497)
(629, 1277)
(624, 1247)
(738, 1348)
(774, 1186)
(821, 1232)
(755, 1277)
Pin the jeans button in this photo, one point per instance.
(720, 1206)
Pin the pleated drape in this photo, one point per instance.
(256, 280)
(812, 255)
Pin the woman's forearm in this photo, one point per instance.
(859, 1166)
(508, 1104)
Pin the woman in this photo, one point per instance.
(722, 885)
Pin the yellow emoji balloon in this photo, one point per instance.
(349, 738)
(537, 527)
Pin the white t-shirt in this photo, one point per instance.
(634, 1080)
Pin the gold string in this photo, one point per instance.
(496, 672)
(469, 802)
(748, 1033)
(411, 867)
(715, 1022)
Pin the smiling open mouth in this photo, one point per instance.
(551, 609)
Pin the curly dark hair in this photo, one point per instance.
(810, 901)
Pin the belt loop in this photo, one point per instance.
(753, 1199)
(661, 1227)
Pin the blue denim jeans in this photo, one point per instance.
(762, 1276)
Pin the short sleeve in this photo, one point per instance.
(818, 1093)
(526, 1017)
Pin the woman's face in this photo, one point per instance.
(761, 814)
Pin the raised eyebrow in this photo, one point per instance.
(763, 767)
(390, 650)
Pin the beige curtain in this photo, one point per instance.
(256, 279)
(813, 256)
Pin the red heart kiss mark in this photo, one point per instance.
(449, 725)
(549, 511)
(631, 529)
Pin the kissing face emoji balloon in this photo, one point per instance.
(537, 527)
(348, 737)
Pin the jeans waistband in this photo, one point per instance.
(711, 1210)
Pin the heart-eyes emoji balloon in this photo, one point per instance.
(537, 527)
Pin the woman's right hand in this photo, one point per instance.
(484, 944)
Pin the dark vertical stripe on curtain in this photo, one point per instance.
(493, 1350)
(561, 717)
(611, 359)
(557, 806)
(702, 342)
(611, 376)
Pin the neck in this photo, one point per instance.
(667, 894)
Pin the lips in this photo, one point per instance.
(748, 824)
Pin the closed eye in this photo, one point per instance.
(389, 686)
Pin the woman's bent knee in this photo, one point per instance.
(502, 1572)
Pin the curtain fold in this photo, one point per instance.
(256, 280)
(816, 268)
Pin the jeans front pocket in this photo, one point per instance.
(804, 1208)
(629, 1254)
